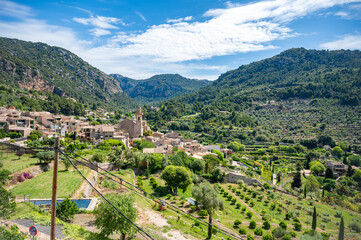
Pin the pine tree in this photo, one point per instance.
(314, 219)
(341, 232)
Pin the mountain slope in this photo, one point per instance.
(38, 66)
(159, 87)
(295, 73)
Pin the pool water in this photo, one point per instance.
(81, 203)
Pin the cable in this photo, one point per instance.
(140, 229)
(177, 209)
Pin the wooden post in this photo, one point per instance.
(55, 184)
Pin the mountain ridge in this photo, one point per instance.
(158, 87)
(38, 66)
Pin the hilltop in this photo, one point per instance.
(159, 87)
(54, 70)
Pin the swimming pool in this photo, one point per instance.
(81, 203)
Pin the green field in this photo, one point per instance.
(41, 185)
(14, 164)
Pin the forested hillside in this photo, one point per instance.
(297, 94)
(55, 71)
(159, 87)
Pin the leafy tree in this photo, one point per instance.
(109, 221)
(147, 133)
(98, 157)
(252, 224)
(337, 151)
(326, 140)
(4, 176)
(355, 160)
(12, 233)
(267, 236)
(344, 145)
(296, 182)
(266, 225)
(218, 175)
(198, 165)
(207, 196)
(35, 135)
(176, 177)
(45, 157)
(211, 162)
(350, 170)
(317, 167)
(341, 232)
(311, 184)
(66, 210)
(7, 203)
(329, 173)
(283, 225)
(236, 146)
(314, 219)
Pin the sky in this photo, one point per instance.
(195, 38)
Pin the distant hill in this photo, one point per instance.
(158, 87)
(295, 73)
(54, 70)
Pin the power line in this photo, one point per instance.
(177, 209)
(136, 226)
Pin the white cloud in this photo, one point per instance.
(346, 42)
(98, 32)
(235, 29)
(185, 19)
(167, 48)
(8, 8)
(100, 22)
(141, 16)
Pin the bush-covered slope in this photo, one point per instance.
(159, 87)
(295, 73)
(38, 66)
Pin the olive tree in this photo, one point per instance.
(109, 221)
(207, 196)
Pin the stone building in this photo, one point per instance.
(136, 126)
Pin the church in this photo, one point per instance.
(136, 126)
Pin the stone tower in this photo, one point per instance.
(139, 114)
(139, 123)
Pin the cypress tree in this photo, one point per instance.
(304, 192)
(314, 219)
(341, 232)
(323, 191)
(296, 183)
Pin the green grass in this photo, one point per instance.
(12, 162)
(41, 185)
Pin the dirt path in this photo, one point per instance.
(78, 194)
(239, 199)
(152, 217)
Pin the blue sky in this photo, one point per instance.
(195, 38)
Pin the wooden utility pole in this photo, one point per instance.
(55, 185)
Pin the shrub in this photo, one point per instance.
(203, 213)
(251, 204)
(242, 231)
(249, 214)
(286, 237)
(250, 237)
(355, 226)
(283, 225)
(279, 232)
(252, 224)
(293, 234)
(193, 208)
(267, 237)
(238, 206)
(246, 199)
(233, 201)
(254, 195)
(169, 196)
(325, 236)
(266, 225)
(66, 210)
(182, 202)
(243, 209)
(338, 214)
(237, 222)
(273, 206)
(288, 216)
(258, 232)
(20, 178)
(297, 226)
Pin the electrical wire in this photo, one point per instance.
(178, 210)
(136, 226)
